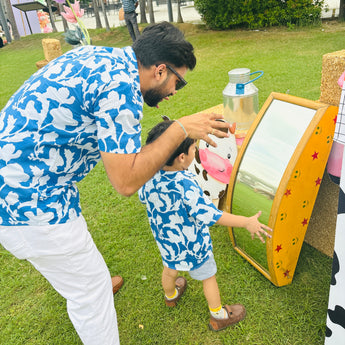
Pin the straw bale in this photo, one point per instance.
(333, 65)
(321, 229)
(41, 63)
(51, 48)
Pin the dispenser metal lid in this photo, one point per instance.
(239, 75)
(240, 83)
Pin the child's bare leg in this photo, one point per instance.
(211, 292)
(173, 286)
(168, 281)
(221, 317)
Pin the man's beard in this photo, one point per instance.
(153, 97)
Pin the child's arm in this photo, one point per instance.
(252, 224)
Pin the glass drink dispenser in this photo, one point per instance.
(241, 101)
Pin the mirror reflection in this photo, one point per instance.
(262, 167)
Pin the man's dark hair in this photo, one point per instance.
(164, 43)
(158, 130)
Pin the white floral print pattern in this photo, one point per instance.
(180, 215)
(52, 129)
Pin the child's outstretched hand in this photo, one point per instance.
(257, 228)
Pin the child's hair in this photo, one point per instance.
(158, 130)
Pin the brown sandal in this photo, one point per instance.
(117, 282)
(181, 285)
(236, 313)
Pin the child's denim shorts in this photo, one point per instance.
(207, 270)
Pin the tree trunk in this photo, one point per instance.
(143, 19)
(4, 25)
(342, 10)
(98, 19)
(150, 6)
(170, 14)
(10, 15)
(51, 16)
(64, 21)
(179, 15)
(107, 27)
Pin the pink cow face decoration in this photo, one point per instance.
(213, 165)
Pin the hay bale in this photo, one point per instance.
(51, 48)
(321, 229)
(333, 65)
(40, 64)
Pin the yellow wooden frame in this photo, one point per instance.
(291, 210)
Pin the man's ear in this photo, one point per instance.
(160, 70)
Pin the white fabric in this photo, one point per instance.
(339, 133)
(67, 257)
(335, 330)
(336, 294)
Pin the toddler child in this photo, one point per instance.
(180, 215)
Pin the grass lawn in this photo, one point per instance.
(32, 313)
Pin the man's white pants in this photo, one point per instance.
(67, 257)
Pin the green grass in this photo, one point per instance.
(31, 312)
(241, 205)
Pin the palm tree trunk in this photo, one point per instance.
(51, 15)
(98, 19)
(150, 7)
(143, 19)
(107, 27)
(342, 10)
(170, 14)
(64, 21)
(12, 20)
(4, 25)
(179, 15)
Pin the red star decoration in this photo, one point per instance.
(318, 181)
(279, 248)
(305, 221)
(335, 119)
(286, 274)
(288, 192)
(315, 155)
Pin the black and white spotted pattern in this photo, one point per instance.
(335, 329)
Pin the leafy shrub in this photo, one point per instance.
(253, 14)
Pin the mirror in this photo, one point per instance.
(284, 141)
(266, 158)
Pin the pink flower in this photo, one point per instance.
(69, 15)
(47, 29)
(60, 1)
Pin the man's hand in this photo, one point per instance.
(128, 172)
(199, 126)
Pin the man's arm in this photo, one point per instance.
(128, 172)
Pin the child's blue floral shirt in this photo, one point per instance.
(180, 215)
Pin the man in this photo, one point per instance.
(129, 7)
(84, 106)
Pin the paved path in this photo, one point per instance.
(189, 15)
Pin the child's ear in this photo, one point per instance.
(181, 157)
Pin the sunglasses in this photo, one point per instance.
(181, 82)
